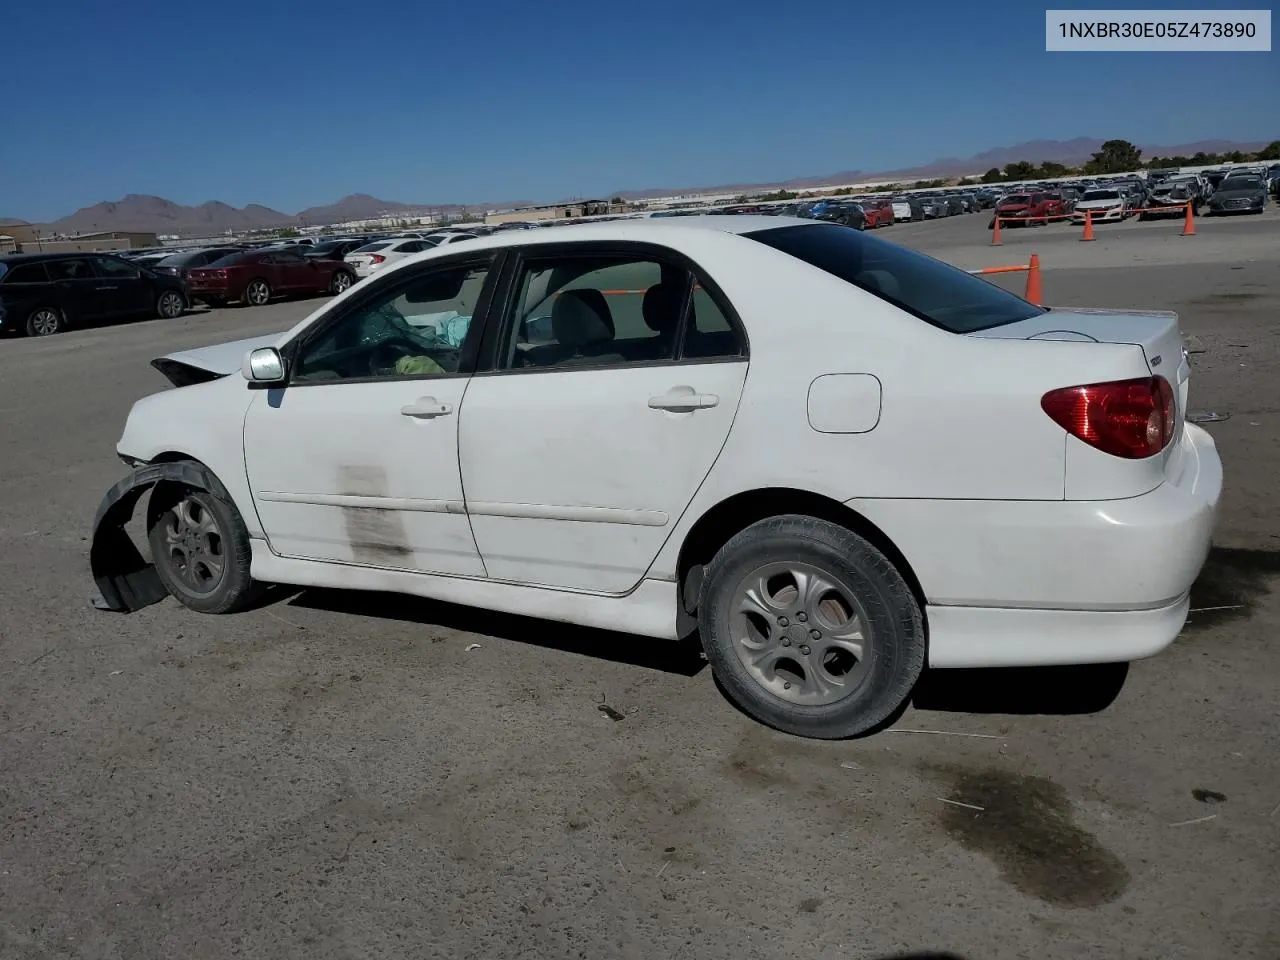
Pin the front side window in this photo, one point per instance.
(929, 289)
(116, 269)
(412, 328)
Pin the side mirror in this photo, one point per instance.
(263, 366)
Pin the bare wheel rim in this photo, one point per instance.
(341, 281)
(194, 546)
(801, 633)
(44, 322)
(170, 305)
(258, 293)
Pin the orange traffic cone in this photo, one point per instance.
(1189, 225)
(1034, 292)
(1088, 226)
(995, 233)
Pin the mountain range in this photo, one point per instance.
(157, 215)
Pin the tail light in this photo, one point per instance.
(376, 258)
(1133, 419)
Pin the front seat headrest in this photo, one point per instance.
(580, 318)
(661, 306)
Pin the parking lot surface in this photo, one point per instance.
(341, 775)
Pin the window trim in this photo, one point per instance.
(491, 259)
(102, 275)
(501, 321)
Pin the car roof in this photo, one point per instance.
(12, 258)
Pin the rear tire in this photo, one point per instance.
(342, 279)
(200, 549)
(810, 629)
(45, 322)
(170, 305)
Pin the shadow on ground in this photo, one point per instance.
(684, 658)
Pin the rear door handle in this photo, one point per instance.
(106, 288)
(683, 399)
(426, 408)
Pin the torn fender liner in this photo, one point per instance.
(125, 581)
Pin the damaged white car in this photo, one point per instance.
(834, 458)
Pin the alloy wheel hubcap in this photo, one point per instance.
(171, 306)
(258, 293)
(801, 633)
(45, 322)
(194, 544)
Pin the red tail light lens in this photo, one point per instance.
(1133, 419)
(376, 258)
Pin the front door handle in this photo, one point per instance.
(105, 288)
(683, 399)
(426, 408)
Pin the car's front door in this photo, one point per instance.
(615, 378)
(356, 459)
(123, 290)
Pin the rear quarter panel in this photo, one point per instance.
(960, 417)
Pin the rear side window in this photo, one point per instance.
(25, 273)
(71, 270)
(929, 289)
(231, 259)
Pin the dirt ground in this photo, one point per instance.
(338, 776)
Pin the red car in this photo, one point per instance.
(1036, 208)
(255, 276)
(879, 212)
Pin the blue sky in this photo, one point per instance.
(294, 103)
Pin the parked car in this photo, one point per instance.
(1029, 209)
(371, 257)
(425, 435)
(442, 237)
(1104, 203)
(337, 249)
(1239, 194)
(955, 204)
(45, 293)
(848, 213)
(879, 213)
(254, 277)
(181, 264)
(1169, 197)
(907, 208)
(934, 208)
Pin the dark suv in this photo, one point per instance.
(45, 293)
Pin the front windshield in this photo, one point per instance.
(1017, 198)
(936, 292)
(1102, 195)
(1242, 183)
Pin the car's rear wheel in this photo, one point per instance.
(341, 281)
(170, 305)
(809, 628)
(201, 552)
(257, 293)
(45, 321)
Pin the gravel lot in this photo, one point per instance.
(336, 776)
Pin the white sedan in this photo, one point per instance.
(834, 458)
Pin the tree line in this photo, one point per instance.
(1121, 156)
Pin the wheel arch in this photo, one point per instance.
(722, 521)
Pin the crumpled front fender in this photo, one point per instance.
(126, 582)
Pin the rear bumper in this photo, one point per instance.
(1078, 581)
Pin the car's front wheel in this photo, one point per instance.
(44, 322)
(170, 305)
(809, 628)
(200, 549)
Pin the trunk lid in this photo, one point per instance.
(1155, 331)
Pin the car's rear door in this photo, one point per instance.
(611, 386)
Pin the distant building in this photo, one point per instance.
(556, 211)
(32, 238)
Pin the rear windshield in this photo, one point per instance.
(370, 247)
(231, 259)
(926, 288)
